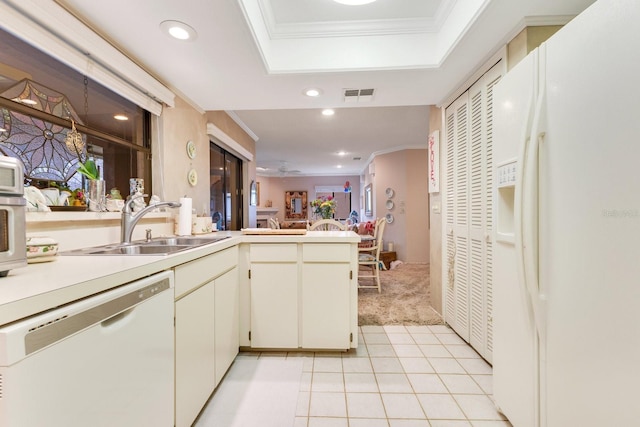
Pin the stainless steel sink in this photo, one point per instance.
(160, 246)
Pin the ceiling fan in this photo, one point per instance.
(285, 171)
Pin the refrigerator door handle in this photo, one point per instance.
(530, 218)
(518, 207)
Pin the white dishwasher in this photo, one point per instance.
(106, 360)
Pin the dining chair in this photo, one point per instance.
(274, 223)
(369, 260)
(328, 225)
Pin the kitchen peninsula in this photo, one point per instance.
(300, 267)
(246, 291)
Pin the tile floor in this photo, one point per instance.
(399, 376)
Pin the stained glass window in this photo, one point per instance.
(40, 96)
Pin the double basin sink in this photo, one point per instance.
(160, 246)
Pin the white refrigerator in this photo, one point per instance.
(567, 231)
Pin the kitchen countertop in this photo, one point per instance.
(42, 286)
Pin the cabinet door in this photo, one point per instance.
(274, 305)
(195, 375)
(325, 306)
(226, 322)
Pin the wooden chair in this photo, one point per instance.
(328, 225)
(274, 223)
(369, 259)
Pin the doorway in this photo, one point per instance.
(225, 180)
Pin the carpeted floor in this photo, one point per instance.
(405, 298)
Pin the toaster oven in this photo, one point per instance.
(13, 240)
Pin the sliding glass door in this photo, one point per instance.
(225, 180)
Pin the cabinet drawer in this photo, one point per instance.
(273, 252)
(326, 252)
(202, 270)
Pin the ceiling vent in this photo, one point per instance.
(358, 95)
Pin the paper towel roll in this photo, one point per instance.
(184, 217)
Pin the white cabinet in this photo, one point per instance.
(326, 278)
(274, 295)
(303, 295)
(468, 213)
(195, 350)
(206, 329)
(226, 314)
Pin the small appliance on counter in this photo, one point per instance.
(12, 216)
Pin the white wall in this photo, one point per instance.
(273, 188)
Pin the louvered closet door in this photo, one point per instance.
(481, 212)
(457, 216)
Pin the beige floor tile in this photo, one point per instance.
(368, 422)
(462, 351)
(485, 382)
(478, 407)
(327, 381)
(328, 405)
(386, 365)
(396, 338)
(365, 405)
(327, 364)
(476, 366)
(416, 365)
(394, 383)
(356, 364)
(395, 329)
(440, 406)
(381, 350)
(450, 423)
(450, 339)
(302, 408)
(427, 383)
(418, 329)
(360, 383)
(408, 423)
(434, 350)
(407, 350)
(460, 384)
(425, 339)
(402, 405)
(369, 328)
(328, 422)
(446, 366)
(376, 338)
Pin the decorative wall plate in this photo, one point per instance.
(192, 177)
(389, 192)
(389, 218)
(191, 149)
(389, 204)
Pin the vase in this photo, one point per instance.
(96, 195)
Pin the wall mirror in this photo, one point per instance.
(254, 194)
(295, 204)
(368, 200)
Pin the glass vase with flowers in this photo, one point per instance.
(324, 207)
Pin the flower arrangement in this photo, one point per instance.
(324, 207)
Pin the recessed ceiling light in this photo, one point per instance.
(121, 117)
(328, 112)
(178, 30)
(354, 2)
(312, 92)
(339, 166)
(342, 153)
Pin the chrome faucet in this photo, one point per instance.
(130, 219)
